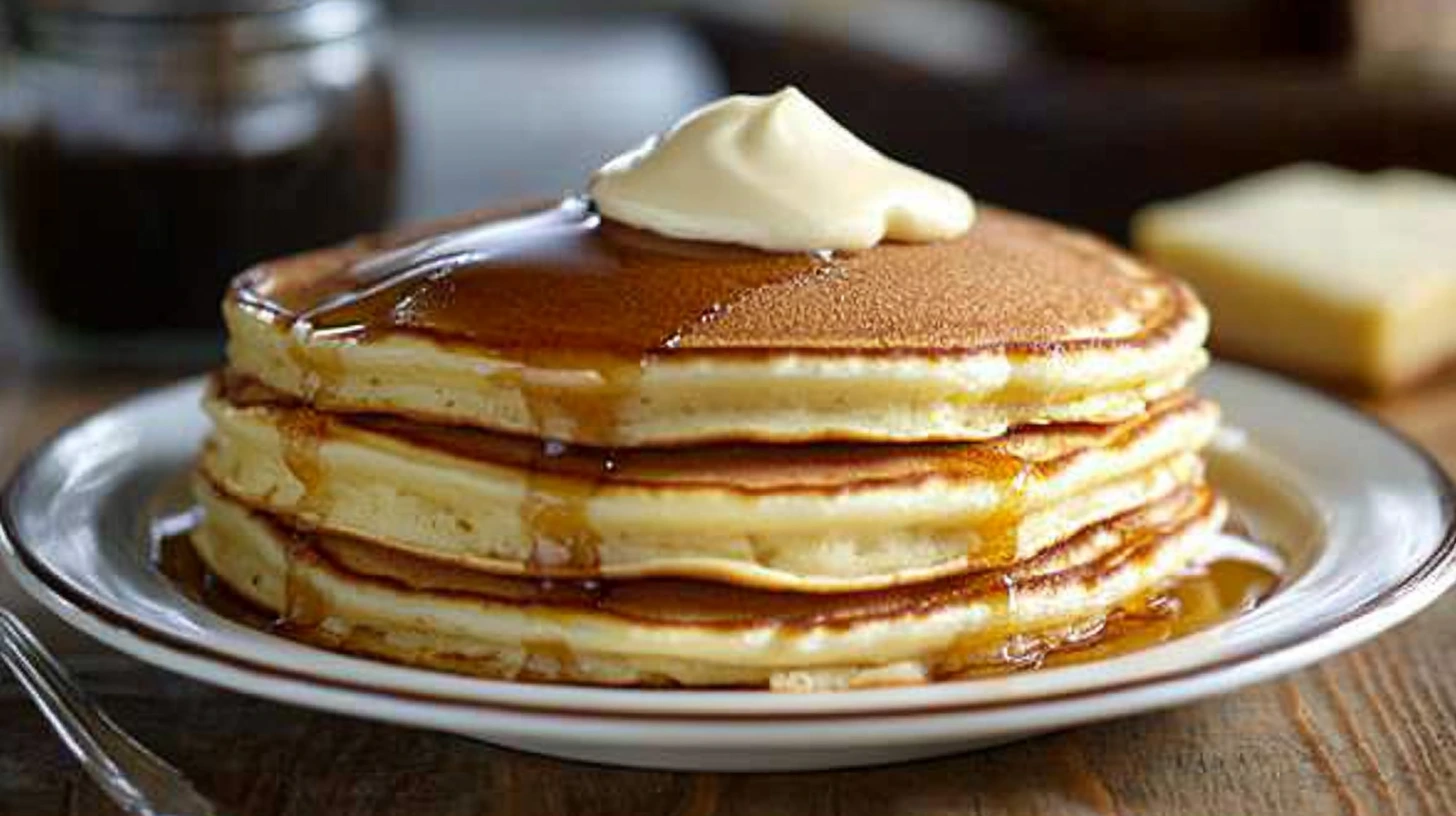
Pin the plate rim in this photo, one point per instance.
(1393, 604)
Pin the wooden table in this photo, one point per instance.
(1371, 732)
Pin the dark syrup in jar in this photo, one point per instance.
(147, 159)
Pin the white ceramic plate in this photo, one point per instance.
(1364, 518)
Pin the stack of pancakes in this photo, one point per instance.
(547, 446)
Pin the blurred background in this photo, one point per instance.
(149, 149)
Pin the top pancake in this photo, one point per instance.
(558, 324)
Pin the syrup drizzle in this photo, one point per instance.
(997, 538)
(555, 513)
(554, 285)
(304, 607)
(302, 436)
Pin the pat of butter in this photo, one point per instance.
(1324, 272)
(778, 173)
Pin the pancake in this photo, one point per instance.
(556, 324)
(809, 518)
(347, 593)
(880, 434)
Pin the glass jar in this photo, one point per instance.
(151, 149)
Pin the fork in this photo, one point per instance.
(137, 780)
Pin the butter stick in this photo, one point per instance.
(1322, 272)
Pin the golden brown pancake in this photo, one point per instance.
(558, 324)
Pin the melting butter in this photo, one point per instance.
(777, 173)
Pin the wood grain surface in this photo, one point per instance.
(1371, 732)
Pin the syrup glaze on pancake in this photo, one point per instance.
(552, 285)
(557, 324)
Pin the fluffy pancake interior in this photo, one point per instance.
(811, 519)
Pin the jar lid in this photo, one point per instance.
(165, 8)
(170, 9)
(247, 25)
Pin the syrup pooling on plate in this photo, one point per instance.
(1203, 595)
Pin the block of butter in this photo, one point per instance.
(1322, 272)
